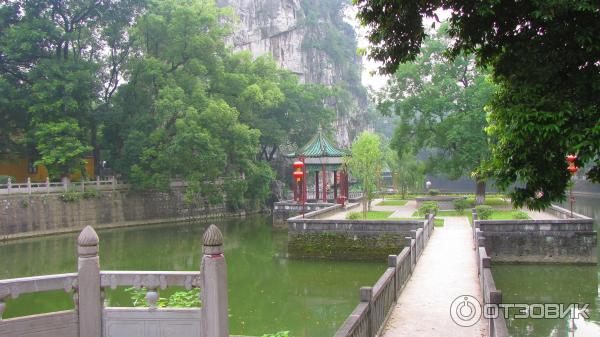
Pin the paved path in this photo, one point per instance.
(446, 270)
(404, 211)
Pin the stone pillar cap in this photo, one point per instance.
(87, 242)
(212, 241)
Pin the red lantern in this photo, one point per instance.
(298, 175)
(573, 169)
(298, 164)
(571, 158)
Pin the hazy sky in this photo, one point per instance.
(370, 77)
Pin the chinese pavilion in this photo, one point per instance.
(320, 155)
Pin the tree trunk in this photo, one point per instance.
(480, 192)
(365, 204)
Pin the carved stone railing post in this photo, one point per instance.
(89, 296)
(213, 270)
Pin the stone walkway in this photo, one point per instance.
(404, 211)
(446, 270)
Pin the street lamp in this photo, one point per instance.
(572, 168)
(298, 175)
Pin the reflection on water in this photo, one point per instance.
(554, 284)
(267, 292)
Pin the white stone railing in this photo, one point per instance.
(91, 319)
(46, 187)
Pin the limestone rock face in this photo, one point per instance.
(279, 28)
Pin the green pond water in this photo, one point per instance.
(554, 284)
(267, 291)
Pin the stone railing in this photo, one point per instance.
(91, 319)
(376, 303)
(496, 327)
(46, 187)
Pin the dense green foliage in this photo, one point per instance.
(428, 207)
(365, 165)
(484, 211)
(544, 57)
(151, 88)
(408, 173)
(440, 103)
(460, 205)
(179, 299)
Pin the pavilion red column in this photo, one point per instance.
(324, 183)
(317, 186)
(304, 177)
(335, 181)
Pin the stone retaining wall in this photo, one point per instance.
(25, 215)
(282, 210)
(571, 240)
(341, 239)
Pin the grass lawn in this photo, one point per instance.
(372, 215)
(383, 215)
(490, 201)
(392, 202)
(436, 222)
(506, 215)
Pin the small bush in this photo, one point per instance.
(520, 215)
(460, 205)
(4, 179)
(483, 211)
(429, 207)
(354, 216)
(91, 194)
(179, 299)
(24, 203)
(70, 196)
(434, 192)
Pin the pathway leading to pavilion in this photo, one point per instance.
(446, 270)
(404, 211)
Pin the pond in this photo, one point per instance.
(267, 291)
(554, 284)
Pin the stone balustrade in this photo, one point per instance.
(370, 315)
(91, 319)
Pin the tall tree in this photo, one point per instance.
(440, 103)
(52, 56)
(364, 164)
(545, 56)
(408, 173)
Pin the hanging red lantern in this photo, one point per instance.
(298, 175)
(573, 169)
(298, 165)
(571, 158)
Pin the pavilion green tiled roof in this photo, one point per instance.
(320, 146)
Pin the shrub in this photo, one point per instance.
(434, 192)
(91, 194)
(520, 215)
(70, 196)
(179, 299)
(460, 205)
(24, 203)
(4, 179)
(354, 216)
(429, 207)
(483, 211)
